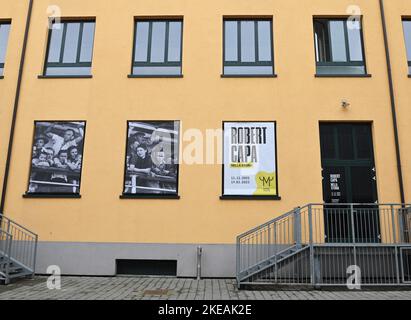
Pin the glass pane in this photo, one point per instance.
(248, 70)
(153, 71)
(141, 42)
(4, 37)
(247, 41)
(318, 57)
(174, 41)
(407, 34)
(71, 44)
(87, 42)
(322, 46)
(55, 42)
(340, 70)
(68, 71)
(339, 53)
(354, 40)
(231, 41)
(158, 42)
(264, 41)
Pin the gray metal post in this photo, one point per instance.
(268, 242)
(317, 272)
(397, 265)
(394, 234)
(8, 260)
(297, 227)
(35, 255)
(310, 234)
(354, 240)
(401, 230)
(276, 252)
(199, 256)
(394, 231)
(238, 257)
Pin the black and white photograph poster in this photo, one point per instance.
(57, 157)
(250, 166)
(152, 158)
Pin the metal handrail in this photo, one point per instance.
(327, 225)
(6, 253)
(23, 244)
(265, 224)
(7, 234)
(285, 215)
(360, 204)
(2, 216)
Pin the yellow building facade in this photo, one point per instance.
(87, 234)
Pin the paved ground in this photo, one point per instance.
(95, 288)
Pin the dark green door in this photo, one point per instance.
(348, 171)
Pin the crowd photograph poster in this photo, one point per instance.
(250, 166)
(151, 166)
(57, 157)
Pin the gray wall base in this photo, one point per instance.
(99, 259)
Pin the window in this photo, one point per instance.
(157, 48)
(57, 157)
(248, 47)
(70, 49)
(4, 37)
(407, 34)
(152, 159)
(339, 47)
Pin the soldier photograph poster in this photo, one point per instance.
(152, 158)
(250, 167)
(56, 159)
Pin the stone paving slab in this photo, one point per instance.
(136, 288)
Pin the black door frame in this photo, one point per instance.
(334, 234)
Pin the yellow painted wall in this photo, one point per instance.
(17, 12)
(202, 99)
(402, 84)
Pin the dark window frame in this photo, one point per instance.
(166, 63)
(349, 62)
(238, 63)
(407, 19)
(251, 197)
(5, 22)
(61, 64)
(52, 195)
(171, 195)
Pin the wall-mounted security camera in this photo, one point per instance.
(345, 104)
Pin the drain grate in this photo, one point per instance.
(156, 292)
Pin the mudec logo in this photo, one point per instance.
(266, 181)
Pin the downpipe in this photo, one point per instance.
(199, 258)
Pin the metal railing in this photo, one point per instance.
(23, 244)
(5, 247)
(319, 243)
